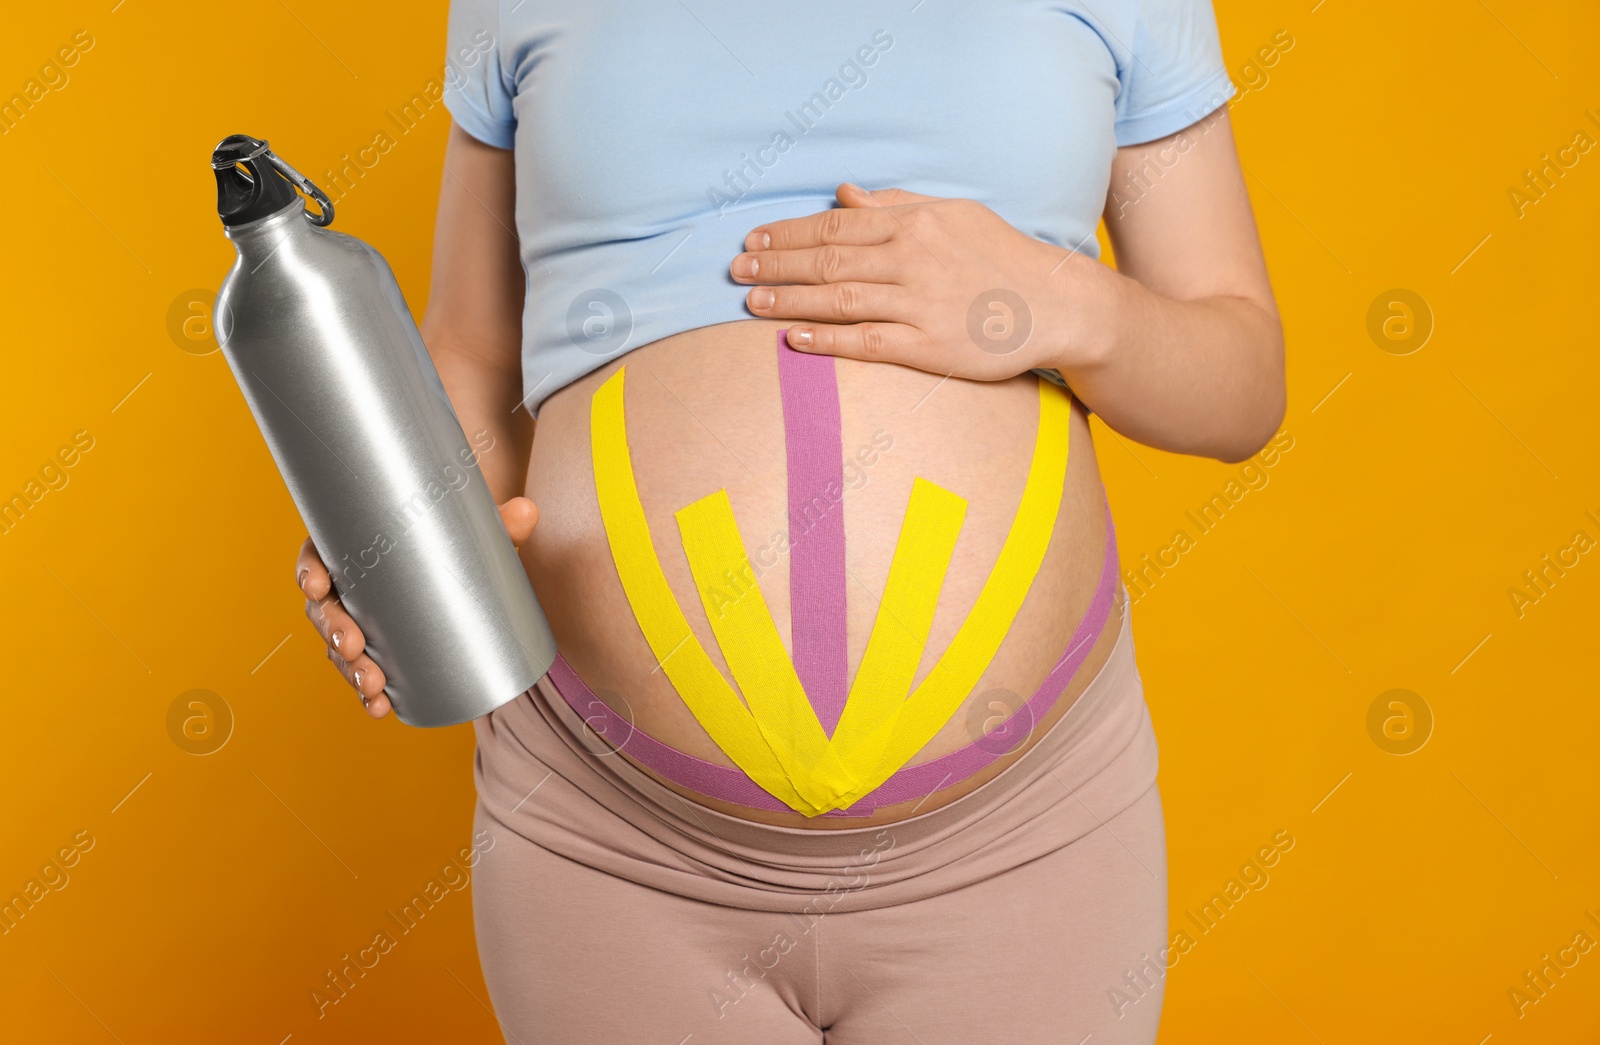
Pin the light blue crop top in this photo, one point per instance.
(652, 135)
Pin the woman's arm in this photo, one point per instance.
(473, 326)
(473, 330)
(1180, 347)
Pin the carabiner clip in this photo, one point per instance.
(305, 185)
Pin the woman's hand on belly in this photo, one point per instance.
(1179, 347)
(943, 285)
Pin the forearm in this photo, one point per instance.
(1202, 376)
(487, 400)
(473, 326)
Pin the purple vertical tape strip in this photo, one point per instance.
(814, 441)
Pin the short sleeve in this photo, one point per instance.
(476, 92)
(1175, 75)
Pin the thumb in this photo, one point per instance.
(852, 195)
(519, 515)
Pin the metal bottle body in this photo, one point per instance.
(324, 348)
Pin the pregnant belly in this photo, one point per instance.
(704, 413)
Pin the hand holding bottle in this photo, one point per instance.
(346, 645)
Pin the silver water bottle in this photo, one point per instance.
(322, 345)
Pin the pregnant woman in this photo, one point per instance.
(846, 742)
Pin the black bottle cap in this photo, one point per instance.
(249, 186)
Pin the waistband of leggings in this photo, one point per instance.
(539, 776)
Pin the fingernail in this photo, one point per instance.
(358, 675)
(799, 336)
(300, 578)
(746, 265)
(762, 298)
(337, 639)
(365, 700)
(766, 240)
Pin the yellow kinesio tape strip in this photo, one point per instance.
(697, 680)
(751, 645)
(956, 674)
(899, 635)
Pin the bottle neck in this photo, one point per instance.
(258, 240)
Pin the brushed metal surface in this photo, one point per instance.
(321, 343)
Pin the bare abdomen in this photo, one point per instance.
(704, 414)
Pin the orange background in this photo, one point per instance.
(1381, 149)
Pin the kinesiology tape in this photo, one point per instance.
(910, 783)
(799, 733)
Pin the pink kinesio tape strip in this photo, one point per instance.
(813, 441)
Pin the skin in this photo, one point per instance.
(1180, 347)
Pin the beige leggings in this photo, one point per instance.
(609, 909)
